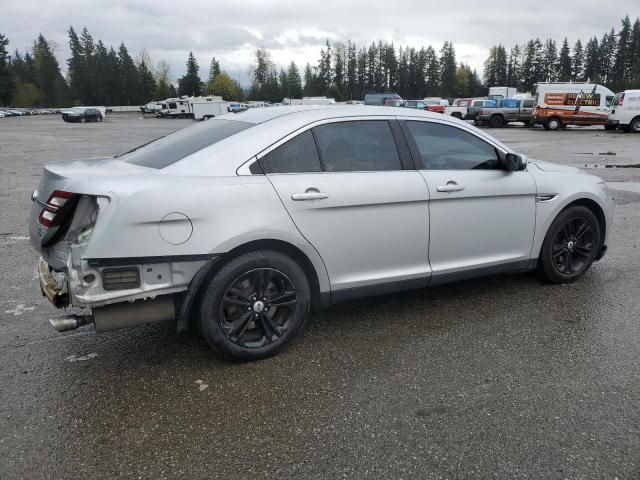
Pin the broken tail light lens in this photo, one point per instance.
(50, 209)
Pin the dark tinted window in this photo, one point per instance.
(365, 145)
(443, 147)
(169, 149)
(298, 155)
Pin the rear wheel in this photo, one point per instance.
(553, 124)
(496, 121)
(634, 126)
(571, 245)
(255, 305)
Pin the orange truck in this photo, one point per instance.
(560, 104)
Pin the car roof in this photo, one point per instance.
(309, 113)
(273, 123)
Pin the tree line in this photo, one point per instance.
(101, 75)
(612, 60)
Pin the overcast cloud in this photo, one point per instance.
(297, 30)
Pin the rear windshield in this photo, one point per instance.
(167, 150)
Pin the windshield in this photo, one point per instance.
(169, 149)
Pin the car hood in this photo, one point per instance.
(554, 167)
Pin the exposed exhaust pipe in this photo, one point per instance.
(120, 315)
(70, 322)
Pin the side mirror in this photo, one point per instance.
(513, 162)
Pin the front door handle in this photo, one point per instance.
(309, 194)
(451, 186)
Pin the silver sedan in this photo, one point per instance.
(242, 224)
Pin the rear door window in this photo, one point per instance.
(298, 155)
(357, 146)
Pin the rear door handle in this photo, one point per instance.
(451, 186)
(309, 194)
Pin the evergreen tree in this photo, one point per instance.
(447, 69)
(592, 61)
(49, 80)
(190, 84)
(608, 47)
(283, 81)
(339, 59)
(7, 82)
(294, 81)
(325, 73)
(214, 69)
(634, 75)
(131, 86)
(513, 68)
(361, 73)
(496, 67)
(432, 73)
(163, 77)
(147, 82)
(623, 63)
(577, 62)
(549, 62)
(564, 62)
(352, 69)
(112, 81)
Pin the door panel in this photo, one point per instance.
(368, 227)
(488, 220)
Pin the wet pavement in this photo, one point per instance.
(502, 377)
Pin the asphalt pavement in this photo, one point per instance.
(501, 377)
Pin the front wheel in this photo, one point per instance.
(496, 121)
(571, 245)
(254, 306)
(552, 124)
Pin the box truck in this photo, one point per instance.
(625, 112)
(562, 104)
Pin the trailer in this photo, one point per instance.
(206, 110)
(499, 93)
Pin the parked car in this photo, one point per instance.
(244, 224)
(436, 105)
(474, 110)
(237, 107)
(507, 110)
(2, 114)
(82, 114)
(625, 112)
(378, 99)
(417, 104)
(390, 102)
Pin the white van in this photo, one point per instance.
(561, 104)
(625, 112)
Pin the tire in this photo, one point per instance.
(264, 328)
(457, 115)
(570, 246)
(496, 121)
(83, 120)
(634, 125)
(552, 124)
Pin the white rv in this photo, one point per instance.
(175, 108)
(625, 112)
(561, 104)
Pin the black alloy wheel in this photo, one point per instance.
(254, 305)
(258, 307)
(571, 245)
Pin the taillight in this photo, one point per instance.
(621, 101)
(50, 209)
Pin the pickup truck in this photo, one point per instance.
(508, 110)
(474, 110)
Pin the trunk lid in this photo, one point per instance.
(79, 177)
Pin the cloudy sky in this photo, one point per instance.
(296, 30)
